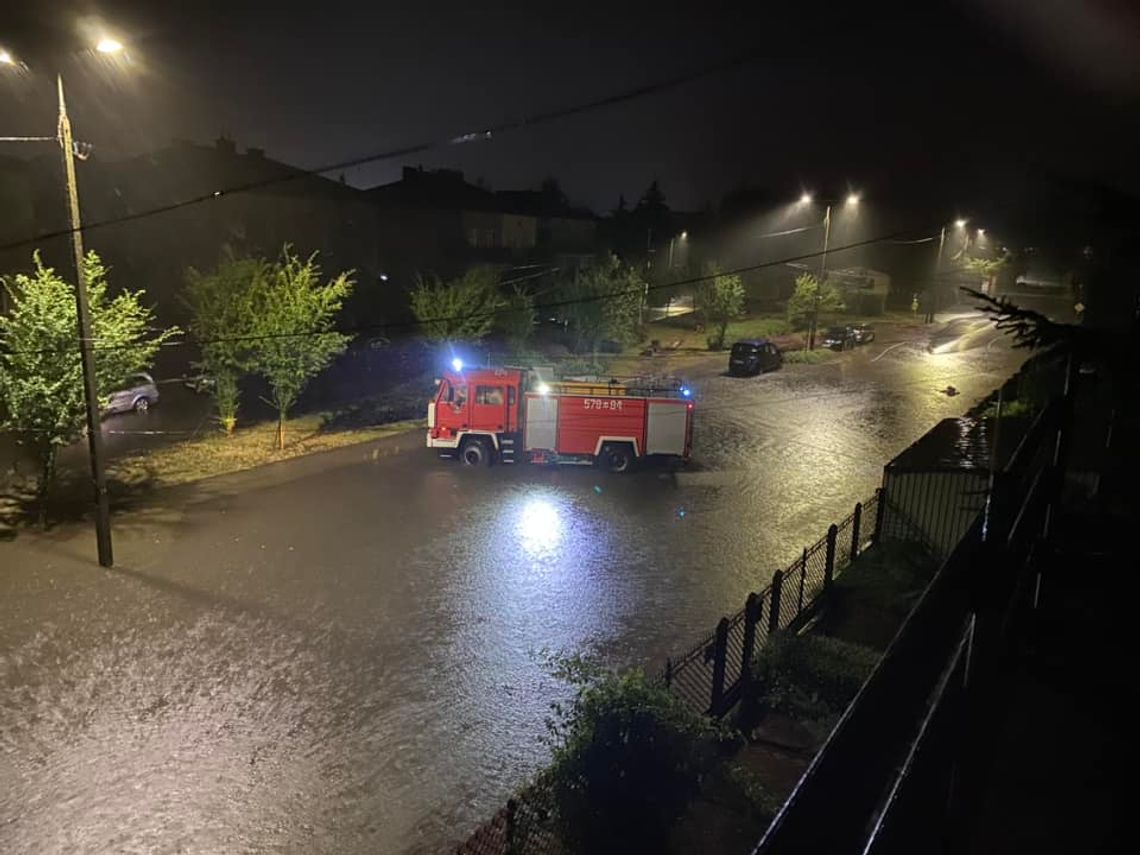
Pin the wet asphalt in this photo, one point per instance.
(343, 653)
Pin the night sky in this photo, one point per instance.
(954, 101)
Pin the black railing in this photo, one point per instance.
(888, 778)
(710, 676)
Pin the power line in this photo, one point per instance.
(488, 133)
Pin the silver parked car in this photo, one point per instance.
(139, 395)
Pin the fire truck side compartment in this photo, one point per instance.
(667, 428)
(541, 422)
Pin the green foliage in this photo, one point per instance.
(811, 299)
(222, 317)
(292, 328)
(811, 678)
(808, 357)
(463, 309)
(628, 757)
(870, 599)
(721, 300)
(986, 268)
(759, 327)
(581, 367)
(517, 320)
(603, 303)
(41, 375)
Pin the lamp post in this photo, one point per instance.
(83, 315)
(683, 236)
(851, 201)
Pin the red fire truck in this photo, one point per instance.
(515, 414)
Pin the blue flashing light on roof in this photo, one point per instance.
(457, 364)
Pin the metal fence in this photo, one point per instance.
(711, 676)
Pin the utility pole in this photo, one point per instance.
(822, 276)
(932, 297)
(86, 351)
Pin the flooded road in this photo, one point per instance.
(339, 654)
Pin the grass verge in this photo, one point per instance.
(809, 357)
(246, 448)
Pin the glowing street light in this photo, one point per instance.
(683, 236)
(105, 45)
(981, 232)
(806, 198)
(960, 223)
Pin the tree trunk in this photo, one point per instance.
(44, 483)
(280, 430)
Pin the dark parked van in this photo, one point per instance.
(754, 356)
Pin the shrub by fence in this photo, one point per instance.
(711, 676)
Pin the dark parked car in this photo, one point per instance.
(754, 356)
(863, 333)
(838, 338)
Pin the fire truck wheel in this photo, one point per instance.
(617, 457)
(475, 452)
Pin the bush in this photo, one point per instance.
(581, 367)
(628, 757)
(405, 401)
(811, 678)
(808, 357)
(870, 599)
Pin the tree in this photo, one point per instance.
(293, 337)
(41, 374)
(722, 299)
(463, 309)
(987, 268)
(811, 299)
(222, 317)
(517, 320)
(603, 302)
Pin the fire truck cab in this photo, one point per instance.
(514, 415)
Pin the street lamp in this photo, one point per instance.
(851, 201)
(106, 45)
(683, 236)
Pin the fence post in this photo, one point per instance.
(803, 573)
(774, 603)
(668, 673)
(752, 608)
(720, 653)
(829, 565)
(880, 512)
(512, 808)
(856, 530)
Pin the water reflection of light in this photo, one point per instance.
(540, 527)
